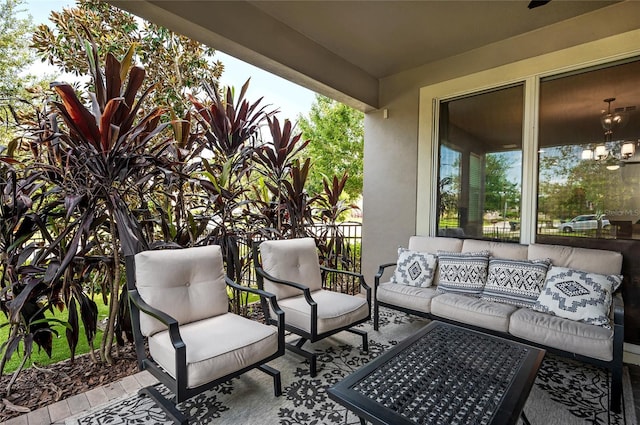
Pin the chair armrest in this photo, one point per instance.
(167, 320)
(360, 276)
(262, 293)
(304, 289)
(381, 270)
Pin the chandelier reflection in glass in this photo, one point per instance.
(611, 121)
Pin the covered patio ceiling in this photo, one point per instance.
(344, 49)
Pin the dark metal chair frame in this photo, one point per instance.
(313, 335)
(614, 366)
(178, 385)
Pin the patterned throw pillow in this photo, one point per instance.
(414, 268)
(463, 272)
(578, 295)
(517, 282)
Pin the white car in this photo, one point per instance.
(584, 222)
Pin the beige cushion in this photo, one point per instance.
(216, 347)
(432, 244)
(411, 297)
(335, 310)
(295, 260)
(511, 251)
(589, 260)
(188, 284)
(564, 334)
(472, 310)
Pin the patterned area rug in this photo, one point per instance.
(565, 392)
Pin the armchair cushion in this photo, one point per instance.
(187, 284)
(335, 310)
(295, 260)
(216, 347)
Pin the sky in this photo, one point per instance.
(290, 98)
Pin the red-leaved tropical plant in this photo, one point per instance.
(230, 127)
(297, 202)
(276, 159)
(101, 159)
(22, 265)
(335, 250)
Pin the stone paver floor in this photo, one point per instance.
(58, 412)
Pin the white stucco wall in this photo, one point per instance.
(397, 192)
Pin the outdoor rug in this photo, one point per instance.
(565, 392)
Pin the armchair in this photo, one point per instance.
(291, 271)
(179, 305)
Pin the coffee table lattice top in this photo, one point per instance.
(434, 381)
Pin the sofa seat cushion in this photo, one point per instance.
(564, 334)
(473, 311)
(411, 297)
(216, 347)
(335, 310)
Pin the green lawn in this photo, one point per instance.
(60, 350)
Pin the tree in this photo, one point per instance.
(14, 43)
(336, 132)
(15, 56)
(498, 188)
(177, 64)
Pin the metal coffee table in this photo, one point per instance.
(443, 374)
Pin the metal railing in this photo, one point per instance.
(340, 247)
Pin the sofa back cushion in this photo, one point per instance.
(505, 250)
(589, 260)
(433, 244)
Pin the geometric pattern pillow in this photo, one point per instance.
(462, 272)
(414, 268)
(517, 282)
(578, 295)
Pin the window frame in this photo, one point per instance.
(528, 72)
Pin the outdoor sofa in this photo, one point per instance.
(518, 297)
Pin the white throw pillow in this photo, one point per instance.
(578, 295)
(463, 272)
(516, 282)
(414, 268)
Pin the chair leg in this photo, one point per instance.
(376, 317)
(167, 406)
(616, 388)
(297, 348)
(275, 374)
(363, 334)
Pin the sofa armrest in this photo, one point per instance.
(381, 270)
(617, 305)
